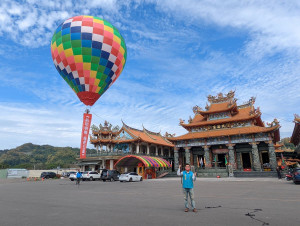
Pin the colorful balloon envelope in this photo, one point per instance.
(90, 54)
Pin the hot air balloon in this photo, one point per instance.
(89, 53)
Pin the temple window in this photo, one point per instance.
(220, 115)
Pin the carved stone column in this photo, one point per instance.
(156, 150)
(256, 161)
(238, 160)
(176, 158)
(231, 156)
(195, 160)
(148, 149)
(187, 155)
(207, 156)
(137, 148)
(272, 156)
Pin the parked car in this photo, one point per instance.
(72, 176)
(129, 177)
(48, 175)
(67, 174)
(90, 175)
(296, 175)
(111, 175)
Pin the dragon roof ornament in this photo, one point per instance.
(221, 98)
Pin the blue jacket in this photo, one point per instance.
(78, 175)
(187, 178)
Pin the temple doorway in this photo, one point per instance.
(221, 160)
(265, 157)
(246, 160)
(200, 158)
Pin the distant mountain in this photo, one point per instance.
(32, 156)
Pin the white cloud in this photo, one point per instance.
(32, 23)
(171, 65)
(272, 25)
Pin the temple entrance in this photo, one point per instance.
(246, 160)
(200, 161)
(221, 160)
(265, 157)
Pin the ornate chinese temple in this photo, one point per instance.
(295, 139)
(128, 149)
(227, 134)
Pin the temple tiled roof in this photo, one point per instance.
(144, 135)
(112, 141)
(148, 136)
(295, 139)
(243, 114)
(225, 132)
(218, 107)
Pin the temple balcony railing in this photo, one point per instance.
(242, 140)
(217, 142)
(261, 138)
(121, 153)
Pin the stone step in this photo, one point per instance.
(212, 174)
(163, 175)
(203, 174)
(212, 171)
(255, 174)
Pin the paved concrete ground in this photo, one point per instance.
(237, 201)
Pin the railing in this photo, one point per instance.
(121, 153)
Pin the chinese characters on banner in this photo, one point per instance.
(87, 118)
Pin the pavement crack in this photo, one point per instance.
(212, 207)
(252, 216)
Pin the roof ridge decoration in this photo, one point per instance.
(248, 103)
(128, 127)
(169, 135)
(220, 98)
(274, 123)
(165, 138)
(148, 134)
(106, 126)
(197, 109)
(297, 118)
(255, 111)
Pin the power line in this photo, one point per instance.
(281, 119)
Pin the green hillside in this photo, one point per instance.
(32, 156)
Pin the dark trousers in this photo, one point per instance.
(279, 174)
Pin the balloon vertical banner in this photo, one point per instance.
(87, 119)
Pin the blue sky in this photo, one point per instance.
(179, 52)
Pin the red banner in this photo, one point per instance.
(87, 119)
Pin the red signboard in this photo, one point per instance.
(87, 119)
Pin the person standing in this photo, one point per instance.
(188, 178)
(78, 177)
(278, 170)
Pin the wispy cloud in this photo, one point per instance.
(178, 53)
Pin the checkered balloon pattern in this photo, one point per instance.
(90, 54)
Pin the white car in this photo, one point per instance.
(90, 175)
(72, 176)
(129, 177)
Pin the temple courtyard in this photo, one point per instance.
(224, 201)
